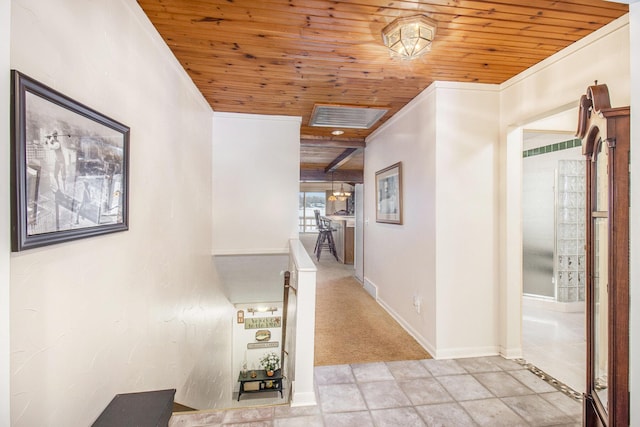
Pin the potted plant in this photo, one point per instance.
(270, 362)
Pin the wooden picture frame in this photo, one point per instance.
(69, 169)
(389, 194)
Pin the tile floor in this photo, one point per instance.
(555, 342)
(487, 391)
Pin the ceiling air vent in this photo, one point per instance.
(340, 116)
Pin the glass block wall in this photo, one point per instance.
(570, 231)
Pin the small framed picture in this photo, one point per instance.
(69, 170)
(389, 194)
(240, 316)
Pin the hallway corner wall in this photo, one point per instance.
(449, 201)
(540, 92)
(256, 175)
(5, 250)
(466, 222)
(399, 260)
(140, 309)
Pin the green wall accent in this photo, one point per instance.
(564, 145)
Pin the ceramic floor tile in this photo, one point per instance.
(286, 411)
(248, 415)
(405, 417)
(464, 387)
(340, 398)
(505, 364)
(574, 377)
(555, 342)
(537, 410)
(532, 381)
(349, 419)
(561, 365)
(493, 413)
(383, 394)
(339, 374)
(408, 369)
(424, 391)
(479, 364)
(569, 406)
(371, 372)
(308, 421)
(267, 423)
(197, 419)
(406, 394)
(501, 384)
(445, 415)
(443, 367)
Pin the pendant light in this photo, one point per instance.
(332, 197)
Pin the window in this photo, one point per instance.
(308, 202)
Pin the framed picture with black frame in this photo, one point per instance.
(389, 194)
(69, 168)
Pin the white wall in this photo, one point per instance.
(400, 260)
(550, 87)
(5, 26)
(256, 174)
(634, 18)
(466, 202)
(541, 91)
(446, 139)
(135, 310)
(252, 278)
(558, 81)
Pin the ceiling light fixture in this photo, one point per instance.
(332, 197)
(410, 37)
(261, 309)
(337, 132)
(342, 195)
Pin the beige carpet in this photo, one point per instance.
(351, 327)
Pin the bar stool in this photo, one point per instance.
(318, 227)
(325, 238)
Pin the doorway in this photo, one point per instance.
(553, 259)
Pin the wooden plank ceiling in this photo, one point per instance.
(282, 57)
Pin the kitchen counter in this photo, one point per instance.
(349, 219)
(343, 236)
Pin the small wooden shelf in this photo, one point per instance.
(262, 380)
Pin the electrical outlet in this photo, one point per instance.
(417, 303)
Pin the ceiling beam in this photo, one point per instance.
(332, 143)
(319, 175)
(341, 159)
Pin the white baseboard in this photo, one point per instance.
(370, 288)
(408, 328)
(302, 399)
(511, 353)
(463, 352)
(450, 353)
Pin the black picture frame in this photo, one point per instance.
(69, 168)
(389, 194)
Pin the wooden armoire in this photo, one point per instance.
(605, 143)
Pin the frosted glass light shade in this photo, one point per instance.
(410, 37)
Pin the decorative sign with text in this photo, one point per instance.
(262, 322)
(263, 344)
